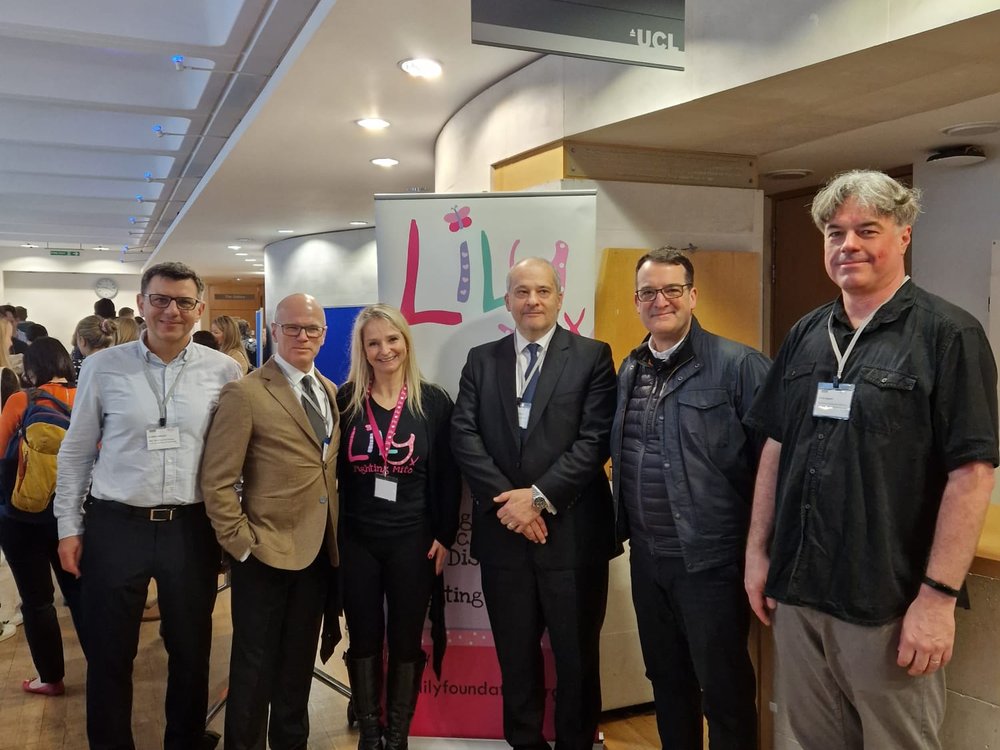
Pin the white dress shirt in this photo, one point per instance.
(522, 362)
(105, 451)
(318, 398)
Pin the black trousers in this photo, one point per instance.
(524, 601)
(381, 573)
(276, 623)
(693, 631)
(32, 550)
(120, 554)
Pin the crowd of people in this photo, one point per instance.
(837, 494)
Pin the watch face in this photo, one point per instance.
(106, 288)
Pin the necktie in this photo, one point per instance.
(315, 418)
(531, 374)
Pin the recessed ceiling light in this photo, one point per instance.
(242, 253)
(373, 123)
(788, 174)
(28, 244)
(250, 260)
(258, 265)
(957, 156)
(286, 231)
(358, 223)
(100, 247)
(235, 247)
(258, 273)
(987, 127)
(385, 161)
(421, 67)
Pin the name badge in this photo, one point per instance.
(833, 403)
(523, 413)
(385, 488)
(162, 438)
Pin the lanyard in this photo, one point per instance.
(162, 402)
(842, 358)
(383, 446)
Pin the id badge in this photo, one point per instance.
(162, 438)
(833, 403)
(385, 488)
(523, 413)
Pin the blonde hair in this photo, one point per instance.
(360, 373)
(97, 332)
(6, 333)
(128, 330)
(231, 338)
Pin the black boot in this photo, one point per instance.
(402, 691)
(366, 694)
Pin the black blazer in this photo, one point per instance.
(564, 449)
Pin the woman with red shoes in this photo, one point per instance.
(30, 540)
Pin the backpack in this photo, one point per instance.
(34, 447)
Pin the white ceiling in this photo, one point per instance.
(82, 85)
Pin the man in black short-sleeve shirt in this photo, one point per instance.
(881, 414)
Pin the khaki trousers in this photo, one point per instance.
(837, 685)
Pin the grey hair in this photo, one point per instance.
(541, 261)
(871, 189)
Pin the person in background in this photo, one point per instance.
(30, 540)
(21, 313)
(126, 312)
(12, 365)
(14, 345)
(399, 495)
(105, 308)
(881, 420)
(146, 406)
(92, 334)
(205, 338)
(128, 330)
(227, 336)
(35, 331)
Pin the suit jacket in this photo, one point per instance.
(563, 451)
(261, 431)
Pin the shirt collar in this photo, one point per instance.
(294, 374)
(665, 354)
(543, 341)
(901, 301)
(149, 355)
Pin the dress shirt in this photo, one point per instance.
(319, 399)
(522, 362)
(104, 450)
(665, 354)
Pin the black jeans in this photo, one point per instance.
(120, 554)
(276, 622)
(386, 572)
(693, 631)
(32, 550)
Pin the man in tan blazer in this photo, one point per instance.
(278, 429)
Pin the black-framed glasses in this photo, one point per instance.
(293, 330)
(163, 301)
(648, 294)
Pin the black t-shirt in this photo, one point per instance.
(407, 466)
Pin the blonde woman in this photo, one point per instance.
(94, 333)
(128, 330)
(399, 493)
(227, 336)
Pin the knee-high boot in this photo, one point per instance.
(402, 691)
(365, 675)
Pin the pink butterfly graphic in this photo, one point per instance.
(458, 219)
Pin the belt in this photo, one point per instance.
(158, 513)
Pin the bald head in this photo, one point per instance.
(301, 314)
(536, 265)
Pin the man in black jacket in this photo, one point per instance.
(530, 433)
(683, 484)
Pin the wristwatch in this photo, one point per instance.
(538, 499)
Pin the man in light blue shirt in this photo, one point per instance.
(129, 509)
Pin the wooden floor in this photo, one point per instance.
(30, 722)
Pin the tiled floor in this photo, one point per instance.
(29, 722)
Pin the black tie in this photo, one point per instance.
(315, 418)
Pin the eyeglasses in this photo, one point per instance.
(163, 301)
(669, 292)
(293, 330)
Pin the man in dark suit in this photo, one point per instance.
(278, 428)
(530, 431)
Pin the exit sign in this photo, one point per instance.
(64, 252)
